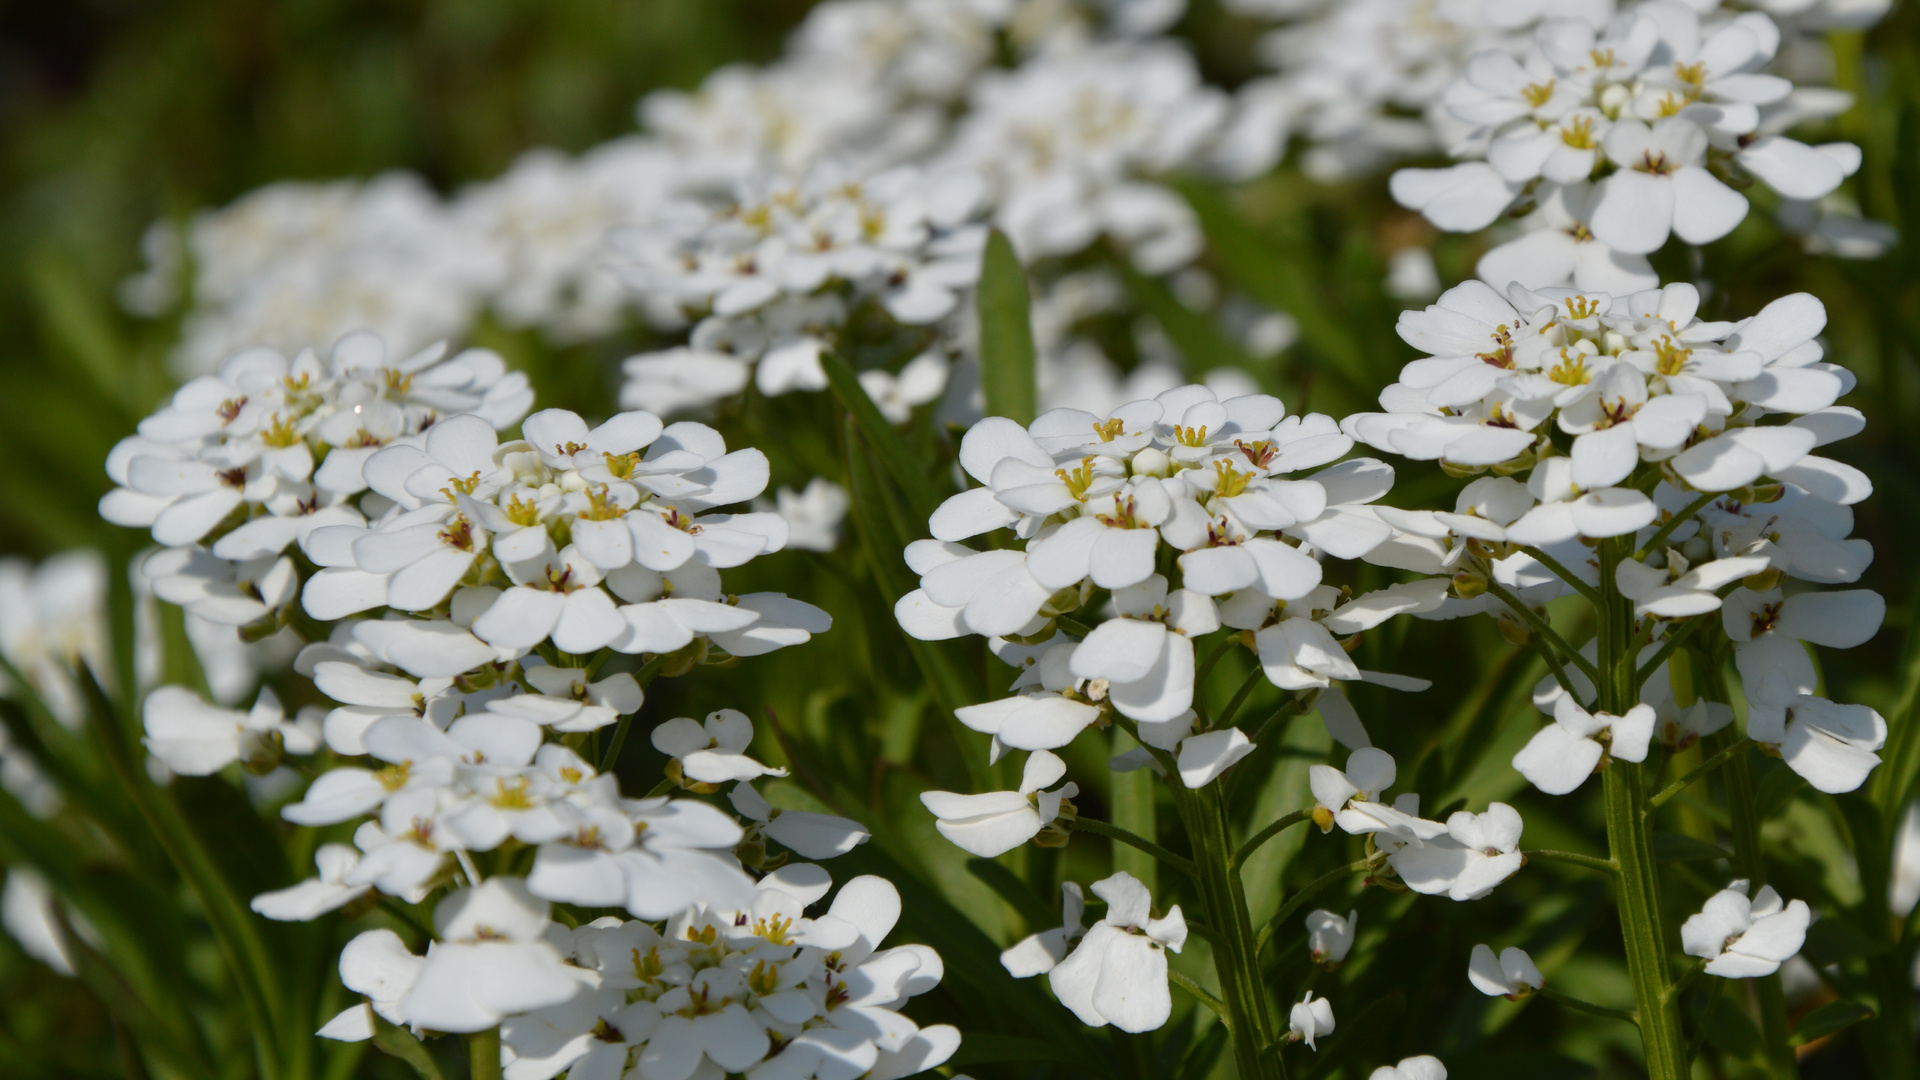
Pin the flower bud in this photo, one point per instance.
(1513, 631)
(1770, 578)
(1151, 462)
(1468, 584)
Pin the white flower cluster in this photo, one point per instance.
(841, 172)
(243, 463)
(755, 988)
(1624, 131)
(1095, 500)
(1582, 403)
(778, 274)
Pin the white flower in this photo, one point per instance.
(1830, 745)
(567, 702)
(1423, 1067)
(1330, 937)
(681, 380)
(1309, 1018)
(1045, 718)
(28, 912)
(1478, 852)
(999, 821)
(1511, 975)
(813, 514)
(810, 835)
(1352, 798)
(1742, 938)
(1662, 187)
(377, 966)
(1903, 882)
(1559, 249)
(1560, 757)
(923, 379)
(1118, 973)
(1679, 589)
(52, 620)
(1146, 655)
(194, 738)
(490, 959)
(221, 590)
(315, 896)
(714, 752)
(1037, 954)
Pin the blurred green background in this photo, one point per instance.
(115, 112)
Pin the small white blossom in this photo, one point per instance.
(1330, 937)
(1117, 974)
(1742, 938)
(1309, 1018)
(1511, 975)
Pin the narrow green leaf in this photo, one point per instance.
(1679, 847)
(910, 470)
(875, 512)
(1006, 333)
(1834, 1016)
(400, 1042)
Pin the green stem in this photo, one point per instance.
(483, 1054)
(1605, 866)
(1236, 953)
(1589, 1007)
(1559, 671)
(1667, 648)
(1630, 838)
(1679, 519)
(1719, 758)
(1566, 575)
(1272, 830)
(1200, 995)
(1224, 719)
(1306, 893)
(1114, 832)
(644, 677)
(1544, 629)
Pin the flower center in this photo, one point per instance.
(1538, 94)
(1110, 429)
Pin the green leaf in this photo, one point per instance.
(400, 1042)
(1678, 847)
(1834, 1016)
(909, 470)
(1015, 892)
(1006, 334)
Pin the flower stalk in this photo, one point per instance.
(1630, 837)
(1235, 950)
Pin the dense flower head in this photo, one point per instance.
(1630, 127)
(775, 274)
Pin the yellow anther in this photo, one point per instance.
(280, 432)
(647, 967)
(1538, 94)
(1582, 307)
(1191, 436)
(458, 533)
(511, 794)
(456, 485)
(1501, 356)
(1229, 481)
(1109, 430)
(1668, 358)
(571, 775)
(765, 978)
(522, 512)
(1078, 480)
(1694, 74)
(1578, 133)
(600, 506)
(398, 383)
(1571, 370)
(621, 465)
(394, 777)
